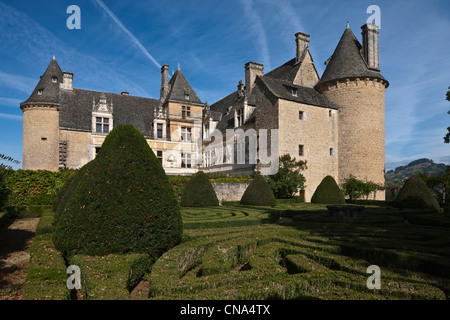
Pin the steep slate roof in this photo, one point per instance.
(75, 111)
(347, 61)
(76, 106)
(282, 89)
(179, 86)
(50, 90)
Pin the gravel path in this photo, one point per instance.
(15, 241)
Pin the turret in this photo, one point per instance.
(41, 122)
(352, 82)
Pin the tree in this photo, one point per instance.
(438, 183)
(288, 180)
(4, 169)
(356, 189)
(447, 137)
(199, 192)
(122, 203)
(258, 193)
(416, 195)
(328, 192)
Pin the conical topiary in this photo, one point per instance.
(328, 192)
(199, 192)
(258, 193)
(122, 202)
(416, 195)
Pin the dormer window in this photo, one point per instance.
(40, 92)
(294, 92)
(54, 80)
(186, 96)
(102, 125)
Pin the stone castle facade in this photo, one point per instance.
(334, 122)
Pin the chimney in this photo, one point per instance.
(164, 81)
(252, 70)
(125, 93)
(67, 83)
(302, 41)
(370, 45)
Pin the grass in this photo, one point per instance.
(46, 278)
(243, 252)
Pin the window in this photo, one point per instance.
(330, 113)
(44, 139)
(54, 79)
(301, 115)
(294, 92)
(97, 150)
(185, 134)
(332, 152)
(240, 117)
(101, 125)
(159, 129)
(159, 155)
(185, 160)
(186, 96)
(301, 152)
(206, 130)
(185, 111)
(40, 92)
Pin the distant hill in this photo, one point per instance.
(423, 165)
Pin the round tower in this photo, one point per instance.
(41, 122)
(352, 81)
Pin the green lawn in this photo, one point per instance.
(241, 252)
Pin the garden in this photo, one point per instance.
(136, 234)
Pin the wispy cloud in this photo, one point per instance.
(9, 102)
(17, 82)
(257, 30)
(131, 36)
(10, 116)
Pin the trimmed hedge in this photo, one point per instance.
(416, 195)
(199, 192)
(328, 192)
(111, 277)
(258, 193)
(123, 202)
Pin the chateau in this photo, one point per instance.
(334, 122)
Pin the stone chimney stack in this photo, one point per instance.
(164, 81)
(370, 45)
(67, 83)
(252, 70)
(302, 42)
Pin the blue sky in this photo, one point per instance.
(121, 45)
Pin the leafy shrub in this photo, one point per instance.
(123, 202)
(328, 192)
(199, 192)
(29, 187)
(258, 193)
(416, 195)
(288, 180)
(4, 192)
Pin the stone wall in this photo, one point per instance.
(229, 191)
(40, 138)
(317, 132)
(361, 128)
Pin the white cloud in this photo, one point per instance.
(10, 116)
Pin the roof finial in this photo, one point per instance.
(348, 25)
(54, 57)
(178, 64)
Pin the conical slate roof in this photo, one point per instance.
(347, 61)
(47, 90)
(180, 89)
